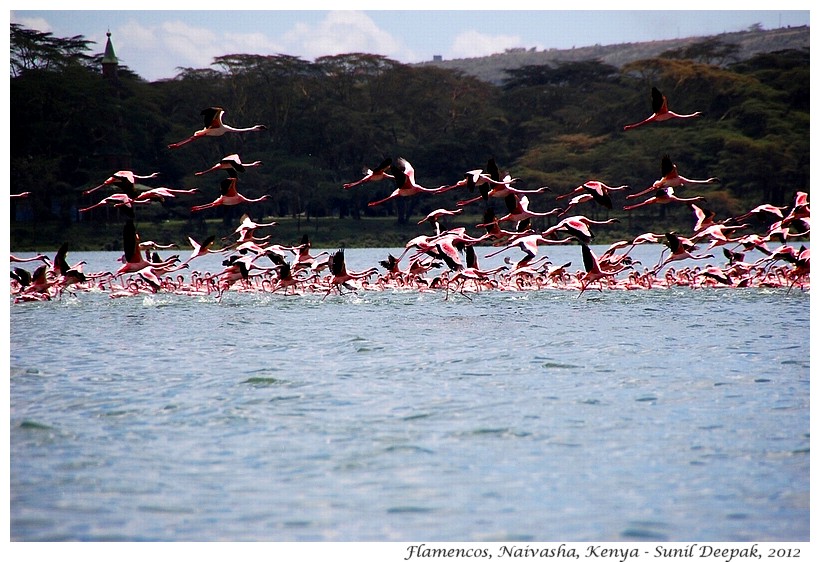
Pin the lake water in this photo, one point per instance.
(659, 415)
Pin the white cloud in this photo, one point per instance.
(339, 33)
(40, 24)
(152, 47)
(476, 44)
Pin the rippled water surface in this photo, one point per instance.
(669, 415)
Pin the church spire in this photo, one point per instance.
(109, 60)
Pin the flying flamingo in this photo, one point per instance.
(593, 269)
(578, 227)
(664, 196)
(660, 111)
(501, 188)
(232, 164)
(214, 127)
(529, 245)
(378, 173)
(765, 212)
(134, 262)
(202, 249)
(405, 178)
(229, 196)
(125, 180)
(671, 178)
(518, 209)
(597, 190)
(434, 216)
(680, 250)
(118, 200)
(162, 193)
(341, 275)
(483, 179)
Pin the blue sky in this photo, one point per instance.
(155, 43)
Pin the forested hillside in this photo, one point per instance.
(556, 124)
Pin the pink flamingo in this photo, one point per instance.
(597, 190)
(405, 178)
(765, 212)
(481, 179)
(341, 275)
(232, 163)
(125, 180)
(529, 245)
(214, 127)
(664, 196)
(39, 257)
(660, 111)
(229, 196)
(501, 189)
(162, 193)
(118, 200)
(671, 178)
(134, 262)
(680, 249)
(593, 269)
(380, 172)
(202, 249)
(434, 216)
(518, 209)
(578, 227)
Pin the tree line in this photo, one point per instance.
(557, 124)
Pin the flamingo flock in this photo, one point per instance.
(755, 244)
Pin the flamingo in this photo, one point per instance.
(341, 275)
(473, 272)
(578, 227)
(593, 269)
(765, 212)
(529, 245)
(800, 210)
(214, 127)
(434, 216)
(247, 227)
(39, 257)
(671, 178)
(125, 180)
(118, 200)
(664, 196)
(378, 173)
(660, 111)
(518, 209)
(483, 179)
(229, 196)
(501, 188)
(202, 249)
(597, 190)
(134, 261)
(680, 249)
(162, 193)
(405, 178)
(232, 163)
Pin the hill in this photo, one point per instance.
(749, 43)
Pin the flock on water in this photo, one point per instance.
(754, 246)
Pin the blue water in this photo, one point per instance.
(660, 415)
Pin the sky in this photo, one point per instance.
(156, 43)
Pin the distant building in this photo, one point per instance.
(436, 58)
(109, 60)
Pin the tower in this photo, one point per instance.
(109, 60)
